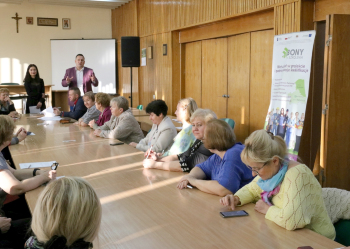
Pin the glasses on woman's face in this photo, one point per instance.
(255, 170)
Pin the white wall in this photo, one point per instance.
(32, 43)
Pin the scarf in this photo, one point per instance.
(272, 186)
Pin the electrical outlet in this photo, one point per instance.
(154, 96)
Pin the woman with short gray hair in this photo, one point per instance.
(122, 125)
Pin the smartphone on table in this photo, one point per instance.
(118, 143)
(230, 214)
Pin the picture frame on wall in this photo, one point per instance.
(66, 23)
(29, 20)
(42, 21)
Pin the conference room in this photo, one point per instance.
(278, 66)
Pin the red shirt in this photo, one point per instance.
(104, 116)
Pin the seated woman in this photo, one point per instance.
(122, 125)
(16, 182)
(285, 191)
(163, 131)
(6, 105)
(185, 138)
(92, 113)
(35, 88)
(224, 172)
(102, 101)
(66, 215)
(196, 154)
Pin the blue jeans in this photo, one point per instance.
(288, 133)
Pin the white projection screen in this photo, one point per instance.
(99, 55)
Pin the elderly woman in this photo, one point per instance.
(285, 191)
(196, 154)
(92, 113)
(122, 125)
(163, 131)
(224, 172)
(185, 138)
(6, 105)
(35, 88)
(102, 101)
(67, 215)
(15, 182)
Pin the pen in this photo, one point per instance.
(29, 166)
(188, 186)
(149, 151)
(162, 152)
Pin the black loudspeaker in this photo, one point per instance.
(130, 51)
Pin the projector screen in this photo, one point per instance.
(99, 55)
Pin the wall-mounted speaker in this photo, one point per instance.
(130, 51)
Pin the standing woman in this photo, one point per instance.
(281, 124)
(35, 88)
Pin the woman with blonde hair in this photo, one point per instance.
(285, 191)
(223, 173)
(67, 215)
(185, 138)
(6, 105)
(196, 154)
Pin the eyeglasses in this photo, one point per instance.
(257, 171)
(54, 166)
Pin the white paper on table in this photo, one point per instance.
(31, 134)
(36, 165)
(48, 112)
(179, 128)
(33, 110)
(55, 118)
(174, 119)
(58, 177)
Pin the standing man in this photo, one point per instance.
(80, 77)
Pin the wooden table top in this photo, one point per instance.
(142, 208)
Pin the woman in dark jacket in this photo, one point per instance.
(35, 88)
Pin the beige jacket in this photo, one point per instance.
(124, 128)
(161, 138)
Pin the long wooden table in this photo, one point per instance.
(142, 208)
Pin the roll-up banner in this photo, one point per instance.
(291, 69)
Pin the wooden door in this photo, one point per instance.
(193, 71)
(214, 75)
(260, 77)
(238, 50)
(335, 143)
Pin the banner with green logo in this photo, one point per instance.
(291, 69)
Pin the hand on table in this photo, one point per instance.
(261, 207)
(21, 134)
(48, 174)
(13, 114)
(97, 133)
(38, 106)
(5, 224)
(186, 180)
(230, 201)
(133, 144)
(56, 111)
(91, 123)
(68, 80)
(149, 163)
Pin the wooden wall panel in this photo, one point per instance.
(214, 75)
(287, 18)
(260, 77)
(327, 7)
(193, 71)
(238, 50)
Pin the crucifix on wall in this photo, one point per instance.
(17, 18)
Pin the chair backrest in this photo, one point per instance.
(140, 107)
(342, 230)
(10, 84)
(231, 122)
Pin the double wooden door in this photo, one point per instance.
(232, 77)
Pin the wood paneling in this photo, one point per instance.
(193, 71)
(238, 50)
(260, 77)
(214, 75)
(178, 72)
(337, 130)
(327, 7)
(287, 18)
(242, 24)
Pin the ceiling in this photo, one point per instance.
(107, 4)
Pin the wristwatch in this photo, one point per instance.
(35, 170)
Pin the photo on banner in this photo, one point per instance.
(291, 69)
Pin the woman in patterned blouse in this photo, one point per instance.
(196, 154)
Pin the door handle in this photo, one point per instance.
(224, 96)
